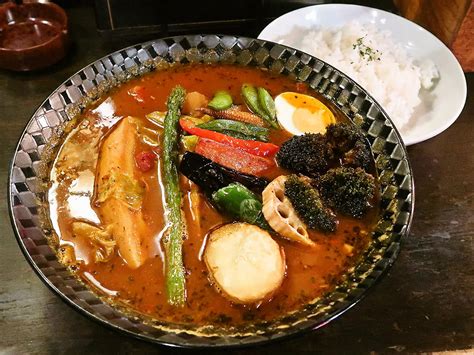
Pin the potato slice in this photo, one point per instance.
(115, 209)
(244, 262)
(192, 102)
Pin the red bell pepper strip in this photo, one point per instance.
(253, 147)
(233, 158)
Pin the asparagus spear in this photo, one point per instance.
(175, 282)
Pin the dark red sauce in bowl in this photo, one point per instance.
(32, 36)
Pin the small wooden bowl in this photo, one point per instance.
(32, 35)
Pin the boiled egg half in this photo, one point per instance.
(299, 113)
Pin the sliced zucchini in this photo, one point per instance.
(244, 262)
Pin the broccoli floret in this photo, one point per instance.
(312, 154)
(304, 154)
(346, 143)
(348, 190)
(308, 204)
(358, 156)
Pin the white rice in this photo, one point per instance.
(385, 71)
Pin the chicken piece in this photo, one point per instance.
(119, 194)
(280, 214)
(244, 262)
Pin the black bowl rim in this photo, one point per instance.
(289, 332)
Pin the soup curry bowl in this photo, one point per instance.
(119, 110)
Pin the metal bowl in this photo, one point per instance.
(44, 131)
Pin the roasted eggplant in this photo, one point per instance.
(212, 177)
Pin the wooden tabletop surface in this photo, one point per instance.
(424, 304)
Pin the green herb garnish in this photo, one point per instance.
(365, 51)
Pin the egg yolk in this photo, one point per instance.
(310, 114)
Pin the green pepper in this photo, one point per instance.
(241, 203)
(237, 129)
(250, 95)
(189, 142)
(198, 120)
(238, 135)
(221, 100)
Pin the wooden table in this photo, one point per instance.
(425, 303)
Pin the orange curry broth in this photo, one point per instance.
(310, 271)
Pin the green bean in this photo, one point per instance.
(237, 129)
(173, 240)
(221, 101)
(267, 104)
(250, 95)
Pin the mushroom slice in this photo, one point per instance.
(281, 215)
(244, 262)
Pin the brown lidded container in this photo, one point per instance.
(32, 35)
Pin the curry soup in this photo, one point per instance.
(76, 205)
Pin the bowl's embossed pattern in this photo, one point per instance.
(26, 193)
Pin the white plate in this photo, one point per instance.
(440, 106)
